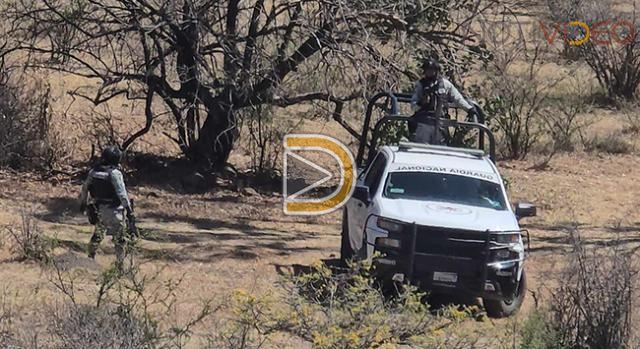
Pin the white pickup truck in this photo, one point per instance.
(441, 219)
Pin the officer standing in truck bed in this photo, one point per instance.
(432, 95)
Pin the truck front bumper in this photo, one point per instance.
(490, 270)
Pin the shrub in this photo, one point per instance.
(392, 133)
(130, 310)
(29, 243)
(264, 139)
(324, 307)
(6, 316)
(514, 95)
(27, 138)
(349, 308)
(592, 307)
(612, 143)
(84, 326)
(103, 130)
(536, 332)
(565, 120)
(631, 114)
(615, 64)
(346, 309)
(518, 131)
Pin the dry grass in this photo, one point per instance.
(221, 241)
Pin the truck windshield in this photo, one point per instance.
(434, 186)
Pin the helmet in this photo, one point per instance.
(431, 64)
(111, 155)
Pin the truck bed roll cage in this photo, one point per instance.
(394, 115)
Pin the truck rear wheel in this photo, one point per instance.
(346, 253)
(505, 308)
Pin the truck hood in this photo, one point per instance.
(448, 215)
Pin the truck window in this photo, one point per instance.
(372, 180)
(433, 186)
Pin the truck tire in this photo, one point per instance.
(346, 253)
(505, 308)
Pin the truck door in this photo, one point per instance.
(358, 210)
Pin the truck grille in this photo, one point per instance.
(451, 242)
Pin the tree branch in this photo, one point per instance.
(309, 47)
(148, 122)
(320, 96)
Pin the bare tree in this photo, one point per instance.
(206, 60)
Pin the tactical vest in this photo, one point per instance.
(101, 188)
(433, 102)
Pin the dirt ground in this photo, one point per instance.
(225, 240)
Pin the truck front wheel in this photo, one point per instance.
(508, 307)
(346, 253)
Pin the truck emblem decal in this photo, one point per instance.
(449, 209)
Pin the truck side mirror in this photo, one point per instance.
(525, 209)
(361, 193)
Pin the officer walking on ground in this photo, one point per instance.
(433, 93)
(108, 203)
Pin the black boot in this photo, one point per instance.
(92, 252)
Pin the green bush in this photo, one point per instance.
(344, 309)
(536, 332)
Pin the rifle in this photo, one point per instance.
(132, 229)
(91, 211)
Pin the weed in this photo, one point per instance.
(29, 243)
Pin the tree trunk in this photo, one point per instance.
(216, 137)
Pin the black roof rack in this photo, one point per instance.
(478, 153)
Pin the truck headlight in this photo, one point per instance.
(388, 243)
(505, 254)
(507, 238)
(390, 225)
